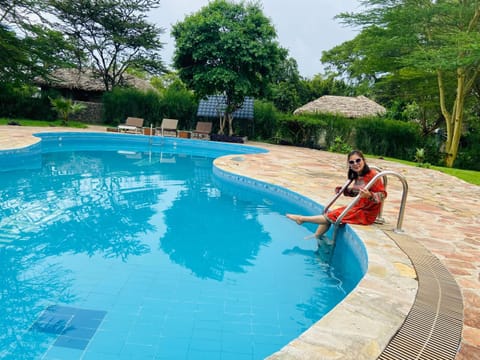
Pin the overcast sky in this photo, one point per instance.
(304, 27)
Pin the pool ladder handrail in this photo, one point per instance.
(379, 220)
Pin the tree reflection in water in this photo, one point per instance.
(200, 242)
(90, 203)
(120, 206)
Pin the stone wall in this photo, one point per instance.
(92, 114)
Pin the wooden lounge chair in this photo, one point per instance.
(168, 127)
(133, 124)
(202, 130)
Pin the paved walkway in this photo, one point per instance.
(442, 214)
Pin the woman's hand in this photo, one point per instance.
(364, 193)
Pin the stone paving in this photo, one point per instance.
(442, 214)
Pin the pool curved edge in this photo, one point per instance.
(362, 325)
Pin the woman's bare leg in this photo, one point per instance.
(300, 219)
(322, 229)
(321, 220)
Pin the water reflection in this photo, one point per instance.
(80, 203)
(26, 285)
(122, 205)
(76, 203)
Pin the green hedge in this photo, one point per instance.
(299, 130)
(386, 137)
(180, 104)
(337, 127)
(151, 106)
(377, 136)
(266, 120)
(26, 102)
(119, 104)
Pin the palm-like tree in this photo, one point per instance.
(65, 107)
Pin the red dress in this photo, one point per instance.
(365, 210)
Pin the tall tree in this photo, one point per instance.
(115, 35)
(440, 38)
(227, 48)
(27, 48)
(284, 89)
(20, 12)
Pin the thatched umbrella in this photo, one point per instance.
(352, 107)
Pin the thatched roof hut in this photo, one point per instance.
(352, 107)
(84, 85)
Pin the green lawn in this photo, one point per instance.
(470, 176)
(27, 122)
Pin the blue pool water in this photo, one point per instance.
(111, 249)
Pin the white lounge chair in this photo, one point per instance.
(133, 124)
(202, 131)
(168, 127)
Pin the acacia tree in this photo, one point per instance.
(426, 38)
(114, 34)
(229, 49)
(27, 47)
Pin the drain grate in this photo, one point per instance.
(433, 328)
(74, 327)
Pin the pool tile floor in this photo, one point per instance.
(442, 214)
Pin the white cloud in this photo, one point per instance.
(304, 27)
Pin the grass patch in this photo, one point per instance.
(470, 176)
(42, 123)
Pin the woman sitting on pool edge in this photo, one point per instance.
(365, 210)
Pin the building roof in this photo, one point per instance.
(71, 78)
(352, 107)
(214, 106)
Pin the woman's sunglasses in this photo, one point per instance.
(351, 162)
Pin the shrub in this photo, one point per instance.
(119, 104)
(469, 152)
(26, 102)
(387, 137)
(337, 127)
(339, 146)
(179, 103)
(65, 107)
(151, 106)
(266, 123)
(300, 130)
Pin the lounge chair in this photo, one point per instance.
(202, 130)
(168, 127)
(133, 124)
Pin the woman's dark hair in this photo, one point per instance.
(352, 174)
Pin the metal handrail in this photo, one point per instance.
(383, 175)
(380, 219)
(337, 195)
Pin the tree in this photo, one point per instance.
(285, 87)
(113, 33)
(439, 38)
(27, 48)
(66, 107)
(227, 48)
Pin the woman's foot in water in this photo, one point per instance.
(296, 218)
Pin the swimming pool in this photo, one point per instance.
(142, 250)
